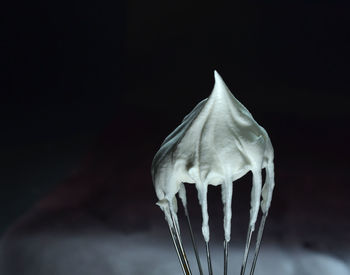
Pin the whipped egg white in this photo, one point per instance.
(216, 144)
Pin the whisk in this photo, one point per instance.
(216, 144)
(180, 250)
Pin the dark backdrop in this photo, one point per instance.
(90, 89)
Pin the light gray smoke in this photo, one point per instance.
(149, 253)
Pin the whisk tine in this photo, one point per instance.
(246, 250)
(258, 242)
(225, 256)
(210, 268)
(179, 247)
(193, 240)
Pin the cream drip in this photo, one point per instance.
(217, 143)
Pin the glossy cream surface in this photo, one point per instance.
(217, 143)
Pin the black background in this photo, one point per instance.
(90, 89)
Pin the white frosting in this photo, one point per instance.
(217, 143)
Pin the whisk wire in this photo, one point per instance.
(177, 248)
(175, 232)
(193, 240)
(225, 256)
(246, 250)
(210, 268)
(258, 242)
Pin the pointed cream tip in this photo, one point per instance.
(218, 78)
(218, 85)
(216, 74)
(219, 82)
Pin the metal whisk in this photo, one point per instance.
(217, 143)
(174, 229)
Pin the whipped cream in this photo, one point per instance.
(217, 143)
